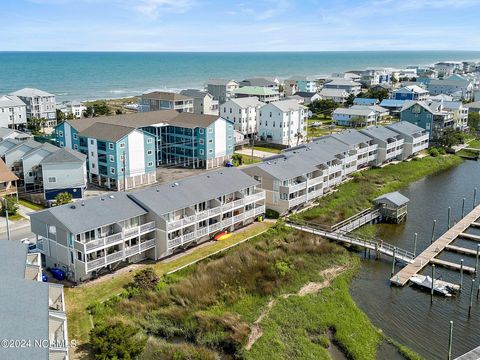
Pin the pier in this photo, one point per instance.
(471, 355)
(442, 243)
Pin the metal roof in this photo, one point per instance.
(30, 92)
(14, 258)
(64, 155)
(164, 95)
(351, 137)
(180, 194)
(91, 213)
(405, 127)
(287, 105)
(360, 111)
(380, 132)
(394, 197)
(243, 102)
(255, 90)
(195, 93)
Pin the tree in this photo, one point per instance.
(349, 101)
(9, 203)
(97, 108)
(63, 198)
(451, 137)
(379, 94)
(357, 121)
(60, 116)
(324, 107)
(474, 120)
(146, 279)
(116, 341)
(299, 136)
(36, 124)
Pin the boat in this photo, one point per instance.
(439, 286)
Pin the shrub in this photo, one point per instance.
(146, 279)
(237, 159)
(10, 204)
(116, 341)
(271, 214)
(63, 198)
(433, 152)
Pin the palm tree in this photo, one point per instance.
(299, 136)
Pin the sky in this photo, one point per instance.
(245, 25)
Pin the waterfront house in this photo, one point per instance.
(390, 143)
(32, 310)
(13, 112)
(300, 175)
(354, 117)
(410, 92)
(73, 108)
(361, 145)
(203, 102)
(415, 138)
(260, 81)
(351, 87)
(393, 106)
(221, 89)
(365, 101)
(431, 116)
(8, 181)
(39, 104)
(119, 157)
(283, 122)
(372, 77)
(299, 83)
(460, 113)
(263, 94)
(243, 112)
(337, 95)
(447, 68)
(308, 97)
(162, 100)
(102, 233)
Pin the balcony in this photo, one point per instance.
(314, 194)
(258, 211)
(315, 181)
(227, 206)
(56, 299)
(147, 226)
(332, 169)
(297, 201)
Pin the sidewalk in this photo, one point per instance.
(16, 224)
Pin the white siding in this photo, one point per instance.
(68, 135)
(92, 156)
(220, 137)
(136, 153)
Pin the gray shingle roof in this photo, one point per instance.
(351, 137)
(164, 95)
(30, 92)
(107, 132)
(14, 258)
(405, 127)
(91, 213)
(219, 81)
(194, 93)
(355, 111)
(64, 155)
(394, 197)
(287, 105)
(249, 101)
(380, 132)
(169, 197)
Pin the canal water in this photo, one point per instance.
(406, 314)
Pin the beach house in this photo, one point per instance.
(389, 143)
(299, 83)
(39, 105)
(283, 122)
(351, 87)
(162, 100)
(410, 92)
(203, 102)
(415, 138)
(13, 112)
(354, 116)
(221, 89)
(263, 94)
(243, 112)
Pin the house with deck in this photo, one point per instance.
(410, 92)
(354, 117)
(103, 233)
(203, 102)
(263, 94)
(33, 311)
(8, 181)
(360, 144)
(39, 104)
(351, 87)
(415, 138)
(337, 95)
(162, 100)
(243, 112)
(221, 89)
(389, 143)
(299, 83)
(13, 112)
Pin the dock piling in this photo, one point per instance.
(463, 208)
(476, 260)
(471, 298)
(415, 237)
(393, 260)
(433, 231)
(461, 274)
(450, 340)
(433, 283)
(474, 197)
(448, 217)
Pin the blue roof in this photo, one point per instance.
(365, 101)
(392, 103)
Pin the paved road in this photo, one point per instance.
(18, 230)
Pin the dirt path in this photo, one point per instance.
(309, 288)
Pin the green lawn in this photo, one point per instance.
(247, 159)
(475, 144)
(263, 148)
(31, 205)
(16, 217)
(356, 195)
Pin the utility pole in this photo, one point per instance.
(124, 172)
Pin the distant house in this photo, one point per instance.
(161, 100)
(430, 116)
(337, 95)
(351, 87)
(447, 68)
(354, 117)
(365, 101)
(243, 112)
(263, 94)
(410, 92)
(380, 112)
(283, 122)
(394, 106)
(8, 181)
(415, 138)
(455, 85)
(308, 97)
(221, 89)
(203, 102)
(372, 77)
(299, 83)
(260, 81)
(460, 113)
(13, 112)
(75, 108)
(39, 104)
(473, 106)
(390, 143)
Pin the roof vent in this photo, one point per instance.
(102, 199)
(73, 207)
(158, 190)
(111, 196)
(83, 203)
(269, 163)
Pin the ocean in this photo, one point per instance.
(101, 75)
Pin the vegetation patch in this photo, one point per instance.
(358, 194)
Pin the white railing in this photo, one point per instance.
(174, 242)
(238, 203)
(202, 215)
(93, 264)
(174, 224)
(203, 231)
(135, 249)
(314, 194)
(239, 217)
(215, 211)
(249, 214)
(189, 236)
(298, 200)
(215, 227)
(188, 220)
(227, 206)
(147, 226)
(116, 256)
(227, 222)
(335, 168)
(93, 244)
(259, 210)
(113, 238)
(131, 232)
(147, 244)
(315, 181)
(297, 187)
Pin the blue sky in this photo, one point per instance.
(246, 25)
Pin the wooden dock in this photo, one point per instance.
(423, 259)
(471, 355)
(451, 265)
(461, 250)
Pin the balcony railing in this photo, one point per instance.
(296, 201)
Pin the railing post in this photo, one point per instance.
(415, 244)
(393, 260)
(471, 298)
(448, 217)
(476, 260)
(450, 340)
(433, 284)
(461, 274)
(433, 231)
(474, 198)
(463, 208)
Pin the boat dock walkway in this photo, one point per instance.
(380, 247)
(430, 253)
(471, 355)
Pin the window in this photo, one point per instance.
(112, 171)
(110, 146)
(150, 164)
(149, 152)
(93, 166)
(210, 151)
(201, 131)
(210, 130)
(60, 133)
(200, 141)
(92, 153)
(75, 136)
(52, 179)
(201, 152)
(75, 147)
(61, 143)
(122, 145)
(210, 141)
(149, 140)
(111, 158)
(92, 141)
